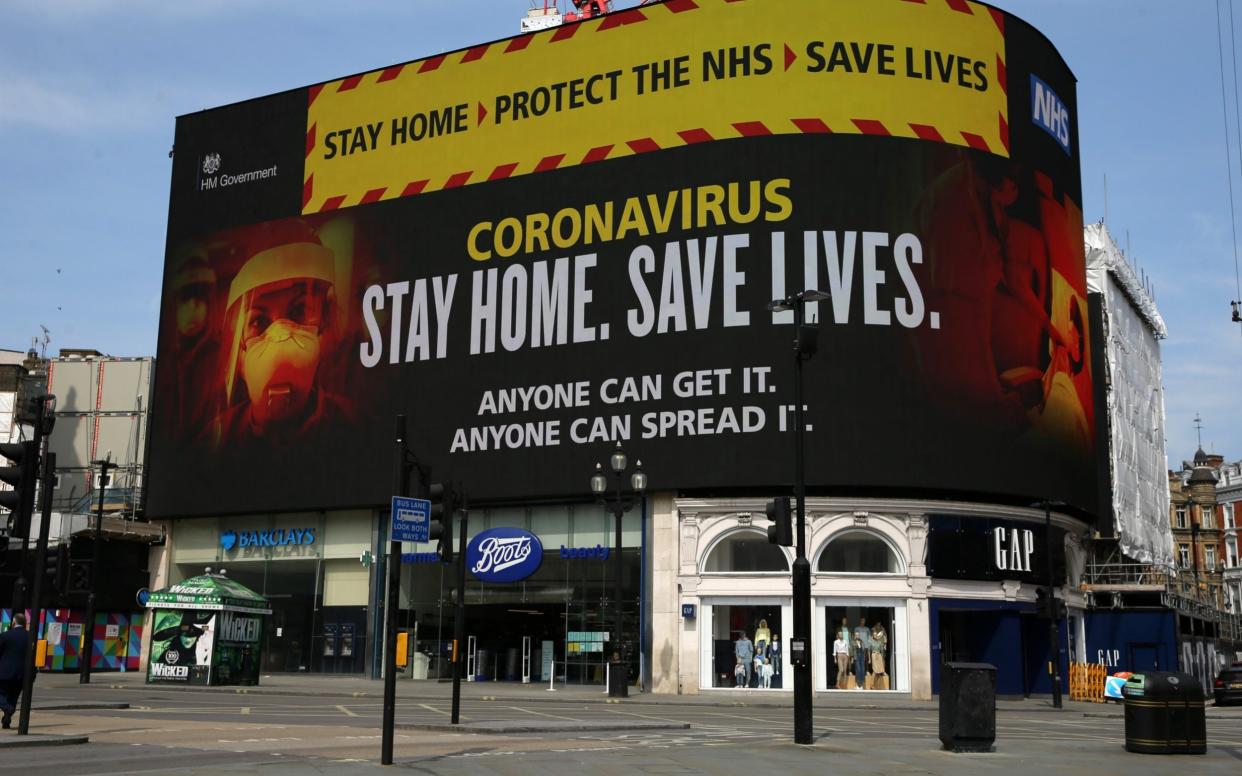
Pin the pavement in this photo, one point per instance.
(327, 685)
(331, 725)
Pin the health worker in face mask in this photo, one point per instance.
(281, 309)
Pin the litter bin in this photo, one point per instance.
(968, 707)
(618, 671)
(421, 663)
(1164, 714)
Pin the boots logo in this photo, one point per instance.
(211, 164)
(504, 555)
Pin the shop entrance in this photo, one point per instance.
(291, 587)
(567, 605)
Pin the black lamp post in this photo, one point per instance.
(805, 345)
(88, 643)
(618, 503)
(1054, 632)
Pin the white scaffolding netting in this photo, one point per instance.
(1135, 396)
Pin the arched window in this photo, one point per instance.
(745, 552)
(858, 552)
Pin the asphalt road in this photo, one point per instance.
(195, 732)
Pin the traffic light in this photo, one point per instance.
(55, 567)
(443, 504)
(781, 530)
(1044, 608)
(79, 576)
(22, 475)
(1041, 603)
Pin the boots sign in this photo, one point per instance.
(992, 549)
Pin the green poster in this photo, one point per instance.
(181, 646)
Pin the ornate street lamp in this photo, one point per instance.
(619, 502)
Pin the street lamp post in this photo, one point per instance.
(88, 627)
(1054, 634)
(805, 345)
(618, 504)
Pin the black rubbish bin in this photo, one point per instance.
(618, 674)
(1164, 714)
(968, 707)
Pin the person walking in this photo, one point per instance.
(13, 645)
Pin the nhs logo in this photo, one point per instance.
(1049, 113)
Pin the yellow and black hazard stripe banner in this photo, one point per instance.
(660, 76)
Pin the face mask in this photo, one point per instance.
(279, 368)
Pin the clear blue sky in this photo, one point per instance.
(89, 90)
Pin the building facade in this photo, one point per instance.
(929, 582)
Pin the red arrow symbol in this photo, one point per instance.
(790, 56)
(482, 113)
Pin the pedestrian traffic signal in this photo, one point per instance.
(22, 475)
(781, 530)
(443, 504)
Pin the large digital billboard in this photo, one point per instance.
(539, 246)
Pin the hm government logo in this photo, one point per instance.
(213, 178)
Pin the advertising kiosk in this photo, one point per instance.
(206, 630)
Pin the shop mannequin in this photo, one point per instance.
(861, 645)
(744, 650)
(774, 654)
(765, 674)
(841, 654)
(763, 636)
(879, 646)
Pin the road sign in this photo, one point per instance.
(411, 518)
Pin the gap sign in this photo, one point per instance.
(411, 519)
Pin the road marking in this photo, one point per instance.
(735, 716)
(644, 716)
(346, 711)
(245, 710)
(429, 707)
(542, 714)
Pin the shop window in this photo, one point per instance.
(746, 552)
(861, 650)
(858, 552)
(745, 639)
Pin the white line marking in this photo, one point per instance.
(346, 711)
(542, 714)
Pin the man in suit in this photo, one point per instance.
(13, 645)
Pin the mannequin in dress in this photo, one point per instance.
(879, 646)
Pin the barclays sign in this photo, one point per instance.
(277, 537)
(504, 555)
